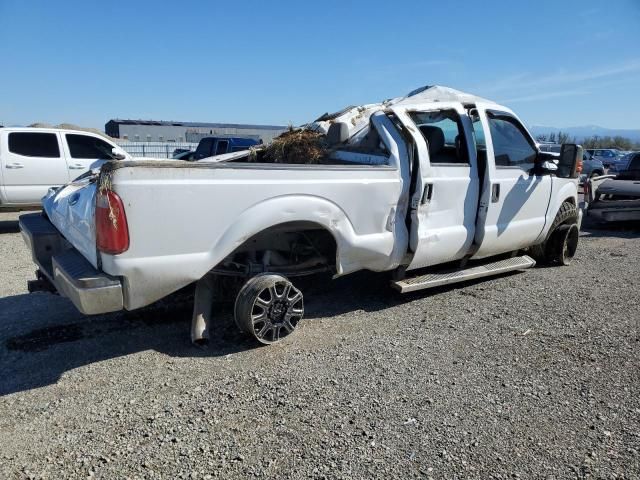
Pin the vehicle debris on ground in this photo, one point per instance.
(616, 198)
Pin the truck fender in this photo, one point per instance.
(374, 251)
(567, 193)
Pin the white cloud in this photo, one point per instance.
(546, 96)
(528, 83)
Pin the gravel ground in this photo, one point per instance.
(530, 375)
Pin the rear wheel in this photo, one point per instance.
(269, 308)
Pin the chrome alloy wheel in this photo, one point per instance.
(269, 308)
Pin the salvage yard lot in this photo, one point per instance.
(535, 374)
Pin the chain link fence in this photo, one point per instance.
(155, 149)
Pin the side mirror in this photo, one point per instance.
(570, 162)
(118, 154)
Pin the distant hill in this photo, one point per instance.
(588, 131)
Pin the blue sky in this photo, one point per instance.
(560, 63)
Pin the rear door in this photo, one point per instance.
(31, 163)
(204, 149)
(222, 146)
(445, 200)
(514, 201)
(82, 151)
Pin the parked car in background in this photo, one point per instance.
(616, 198)
(549, 147)
(211, 146)
(631, 169)
(608, 156)
(184, 155)
(179, 151)
(591, 167)
(34, 159)
(623, 163)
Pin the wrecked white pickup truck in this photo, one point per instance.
(435, 187)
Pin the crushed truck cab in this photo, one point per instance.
(435, 187)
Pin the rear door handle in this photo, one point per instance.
(495, 192)
(15, 165)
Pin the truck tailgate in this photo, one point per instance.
(72, 210)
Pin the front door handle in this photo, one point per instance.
(495, 193)
(427, 193)
(15, 165)
(76, 166)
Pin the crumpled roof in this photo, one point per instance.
(357, 117)
(437, 93)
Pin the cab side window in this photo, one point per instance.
(221, 147)
(30, 144)
(84, 146)
(511, 146)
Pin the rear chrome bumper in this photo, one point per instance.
(90, 290)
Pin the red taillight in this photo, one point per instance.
(112, 231)
(579, 167)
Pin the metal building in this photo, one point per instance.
(160, 131)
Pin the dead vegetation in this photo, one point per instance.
(297, 145)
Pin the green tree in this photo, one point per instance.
(565, 138)
(619, 142)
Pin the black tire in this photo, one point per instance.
(563, 244)
(567, 215)
(596, 173)
(268, 308)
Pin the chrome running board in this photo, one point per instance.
(430, 280)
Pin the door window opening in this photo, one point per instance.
(443, 132)
(511, 147)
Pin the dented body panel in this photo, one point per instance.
(220, 208)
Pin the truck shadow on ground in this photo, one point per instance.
(37, 353)
(9, 226)
(42, 336)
